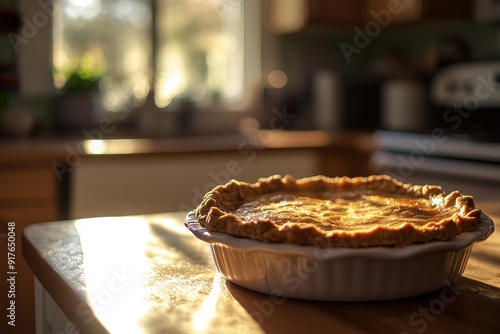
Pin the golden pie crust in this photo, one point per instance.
(337, 212)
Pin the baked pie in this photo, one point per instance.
(337, 212)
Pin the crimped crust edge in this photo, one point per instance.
(212, 215)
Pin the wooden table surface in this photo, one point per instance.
(149, 274)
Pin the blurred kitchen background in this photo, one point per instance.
(112, 107)
(357, 87)
(116, 107)
(156, 67)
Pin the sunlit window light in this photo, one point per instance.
(200, 51)
(108, 285)
(115, 37)
(84, 9)
(94, 146)
(195, 50)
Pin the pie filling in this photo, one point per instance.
(361, 210)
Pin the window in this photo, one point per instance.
(178, 49)
(106, 40)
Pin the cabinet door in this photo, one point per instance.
(27, 196)
(27, 183)
(24, 294)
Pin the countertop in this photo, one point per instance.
(150, 274)
(15, 152)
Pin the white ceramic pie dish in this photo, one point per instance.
(340, 274)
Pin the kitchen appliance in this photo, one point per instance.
(465, 100)
(459, 144)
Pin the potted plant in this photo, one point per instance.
(77, 102)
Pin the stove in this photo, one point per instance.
(438, 158)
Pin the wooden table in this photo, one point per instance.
(150, 274)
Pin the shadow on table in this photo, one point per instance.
(468, 306)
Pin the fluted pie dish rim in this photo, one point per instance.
(485, 228)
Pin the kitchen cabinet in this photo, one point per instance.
(28, 195)
(312, 15)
